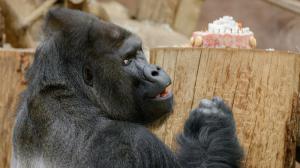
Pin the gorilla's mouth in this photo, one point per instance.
(164, 94)
(158, 101)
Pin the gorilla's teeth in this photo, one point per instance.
(164, 93)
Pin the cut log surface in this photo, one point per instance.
(261, 87)
(13, 64)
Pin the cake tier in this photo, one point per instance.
(209, 40)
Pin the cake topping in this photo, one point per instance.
(224, 32)
(227, 25)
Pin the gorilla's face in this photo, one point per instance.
(150, 81)
(147, 83)
(112, 71)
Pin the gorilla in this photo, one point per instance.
(90, 94)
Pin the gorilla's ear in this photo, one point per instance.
(62, 19)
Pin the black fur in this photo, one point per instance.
(91, 91)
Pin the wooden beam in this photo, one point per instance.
(14, 14)
(76, 4)
(261, 87)
(291, 5)
(187, 16)
(162, 11)
(2, 28)
(180, 15)
(37, 13)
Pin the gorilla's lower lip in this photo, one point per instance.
(166, 96)
(163, 94)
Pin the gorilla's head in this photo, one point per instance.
(101, 64)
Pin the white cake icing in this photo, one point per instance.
(226, 25)
(224, 33)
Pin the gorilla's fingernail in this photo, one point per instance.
(214, 110)
(217, 99)
(206, 111)
(206, 103)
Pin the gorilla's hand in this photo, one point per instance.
(211, 126)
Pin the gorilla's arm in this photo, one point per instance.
(130, 145)
(208, 140)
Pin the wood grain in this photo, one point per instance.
(13, 65)
(261, 87)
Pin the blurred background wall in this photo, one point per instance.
(275, 25)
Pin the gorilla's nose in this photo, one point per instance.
(156, 74)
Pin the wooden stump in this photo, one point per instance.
(261, 87)
(13, 64)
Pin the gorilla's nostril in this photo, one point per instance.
(158, 68)
(154, 73)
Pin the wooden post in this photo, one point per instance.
(261, 87)
(13, 64)
(2, 28)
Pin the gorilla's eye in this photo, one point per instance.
(88, 76)
(126, 61)
(128, 57)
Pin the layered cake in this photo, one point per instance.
(224, 33)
